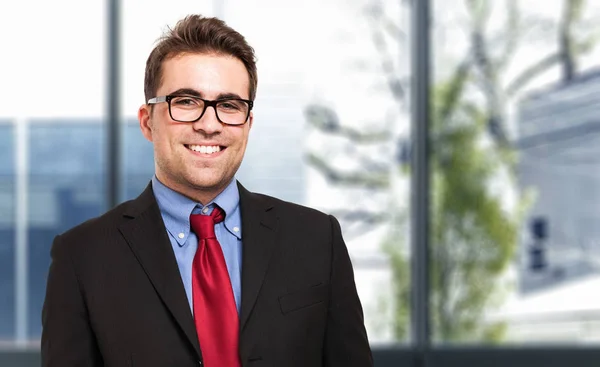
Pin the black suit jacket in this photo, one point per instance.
(115, 296)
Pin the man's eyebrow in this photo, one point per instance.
(187, 91)
(195, 93)
(229, 96)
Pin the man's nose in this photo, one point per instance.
(208, 123)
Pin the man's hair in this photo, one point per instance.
(196, 34)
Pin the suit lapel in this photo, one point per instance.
(259, 224)
(146, 235)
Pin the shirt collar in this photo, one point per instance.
(176, 209)
(229, 201)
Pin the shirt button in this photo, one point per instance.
(236, 229)
(181, 235)
(205, 210)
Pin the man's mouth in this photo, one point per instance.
(205, 149)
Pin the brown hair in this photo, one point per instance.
(198, 34)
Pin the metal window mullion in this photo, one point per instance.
(21, 235)
(420, 57)
(113, 104)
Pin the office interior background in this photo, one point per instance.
(457, 142)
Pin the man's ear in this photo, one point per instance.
(251, 119)
(144, 117)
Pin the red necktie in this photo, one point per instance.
(215, 313)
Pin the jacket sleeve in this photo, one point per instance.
(346, 342)
(67, 337)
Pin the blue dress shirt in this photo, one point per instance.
(176, 210)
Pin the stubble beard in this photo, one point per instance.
(196, 181)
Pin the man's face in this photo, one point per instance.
(200, 176)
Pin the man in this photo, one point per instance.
(197, 270)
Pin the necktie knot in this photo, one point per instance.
(204, 225)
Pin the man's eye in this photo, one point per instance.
(185, 102)
(229, 105)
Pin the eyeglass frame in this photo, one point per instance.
(207, 103)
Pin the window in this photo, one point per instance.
(64, 189)
(514, 190)
(51, 147)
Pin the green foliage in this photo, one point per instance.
(472, 237)
(401, 276)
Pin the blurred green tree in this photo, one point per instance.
(473, 236)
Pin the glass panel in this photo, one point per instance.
(51, 170)
(515, 198)
(64, 190)
(330, 129)
(7, 231)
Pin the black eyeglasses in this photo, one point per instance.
(229, 111)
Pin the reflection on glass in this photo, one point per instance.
(514, 198)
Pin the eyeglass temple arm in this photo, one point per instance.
(157, 100)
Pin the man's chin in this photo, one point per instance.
(208, 184)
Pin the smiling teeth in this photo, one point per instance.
(206, 149)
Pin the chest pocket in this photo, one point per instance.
(304, 298)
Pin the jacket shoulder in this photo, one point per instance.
(292, 211)
(107, 223)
